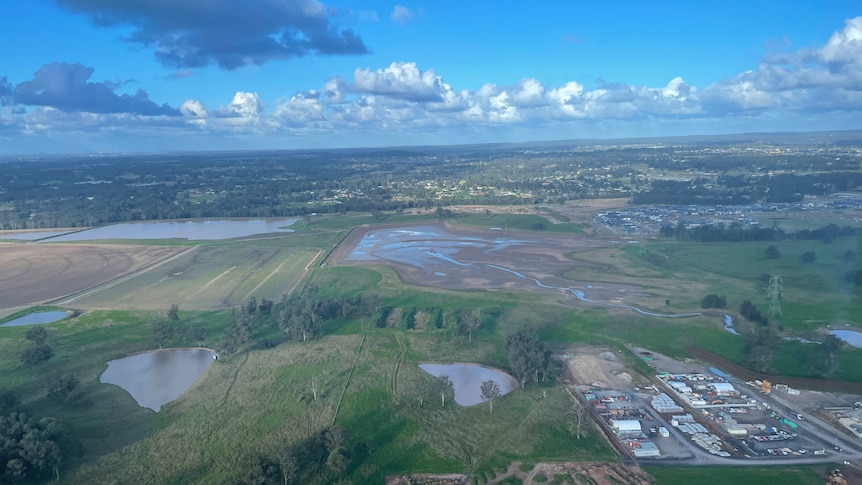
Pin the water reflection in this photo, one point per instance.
(852, 337)
(158, 377)
(38, 318)
(467, 380)
(191, 230)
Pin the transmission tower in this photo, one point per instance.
(775, 295)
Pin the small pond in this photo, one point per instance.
(192, 230)
(38, 318)
(156, 378)
(467, 380)
(852, 337)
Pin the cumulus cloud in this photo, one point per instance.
(301, 110)
(407, 100)
(229, 33)
(829, 77)
(67, 87)
(401, 15)
(401, 80)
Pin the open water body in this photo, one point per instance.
(852, 337)
(156, 378)
(467, 380)
(38, 318)
(207, 230)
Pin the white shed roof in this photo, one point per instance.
(723, 387)
(627, 424)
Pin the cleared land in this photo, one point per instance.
(486, 259)
(208, 277)
(35, 273)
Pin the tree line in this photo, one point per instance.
(735, 232)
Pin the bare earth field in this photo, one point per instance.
(37, 273)
(596, 367)
(466, 258)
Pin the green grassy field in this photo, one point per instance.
(682, 273)
(367, 379)
(209, 277)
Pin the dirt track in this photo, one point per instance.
(36, 273)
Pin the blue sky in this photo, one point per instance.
(156, 75)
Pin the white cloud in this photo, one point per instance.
(845, 46)
(401, 15)
(246, 105)
(195, 111)
(829, 77)
(404, 99)
(529, 92)
(304, 109)
(401, 80)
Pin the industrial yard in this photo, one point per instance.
(692, 413)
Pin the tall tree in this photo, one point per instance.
(490, 391)
(444, 388)
(469, 321)
(772, 252)
(163, 332)
(826, 359)
(174, 312)
(527, 356)
(38, 335)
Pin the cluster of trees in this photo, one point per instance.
(40, 351)
(528, 357)
(323, 457)
(170, 332)
(751, 313)
(826, 359)
(713, 301)
(735, 232)
(299, 316)
(761, 340)
(65, 389)
(29, 449)
(246, 318)
(808, 257)
(741, 189)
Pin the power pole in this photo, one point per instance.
(775, 295)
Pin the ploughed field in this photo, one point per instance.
(208, 277)
(35, 273)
